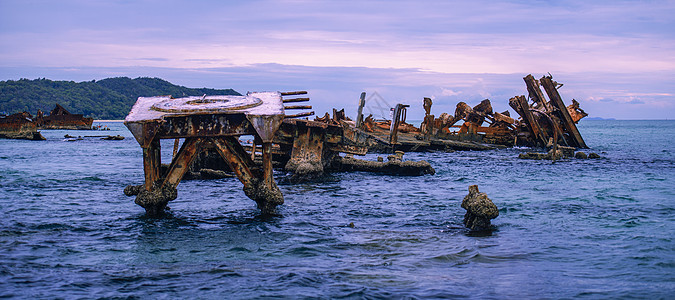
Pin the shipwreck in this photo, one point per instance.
(60, 118)
(212, 130)
(19, 126)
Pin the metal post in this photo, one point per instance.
(359, 116)
(152, 160)
(267, 165)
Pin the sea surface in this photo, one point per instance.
(572, 229)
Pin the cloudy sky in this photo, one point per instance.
(617, 58)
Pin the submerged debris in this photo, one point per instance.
(479, 210)
(113, 138)
(394, 166)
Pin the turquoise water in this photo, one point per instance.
(570, 229)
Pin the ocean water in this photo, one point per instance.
(597, 229)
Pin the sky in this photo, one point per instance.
(617, 58)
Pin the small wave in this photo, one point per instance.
(240, 249)
(91, 178)
(54, 226)
(303, 251)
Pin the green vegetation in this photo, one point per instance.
(107, 99)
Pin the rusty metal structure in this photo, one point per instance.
(60, 118)
(547, 123)
(212, 126)
(213, 122)
(542, 123)
(19, 126)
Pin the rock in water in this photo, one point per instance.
(479, 210)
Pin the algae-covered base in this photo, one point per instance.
(479, 210)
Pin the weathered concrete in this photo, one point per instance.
(479, 210)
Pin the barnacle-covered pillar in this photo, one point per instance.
(205, 122)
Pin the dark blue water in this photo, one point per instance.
(570, 229)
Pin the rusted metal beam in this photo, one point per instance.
(293, 93)
(298, 107)
(535, 92)
(399, 115)
(268, 178)
(299, 115)
(359, 113)
(152, 160)
(523, 108)
(295, 100)
(181, 163)
(175, 147)
(557, 102)
(238, 161)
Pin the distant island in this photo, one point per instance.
(599, 118)
(107, 99)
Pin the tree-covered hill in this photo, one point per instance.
(107, 99)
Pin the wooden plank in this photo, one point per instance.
(557, 102)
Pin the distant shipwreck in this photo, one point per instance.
(60, 118)
(24, 126)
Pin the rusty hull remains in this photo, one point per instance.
(60, 118)
(19, 126)
(542, 123)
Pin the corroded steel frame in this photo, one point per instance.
(201, 130)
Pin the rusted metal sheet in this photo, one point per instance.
(576, 112)
(307, 151)
(204, 125)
